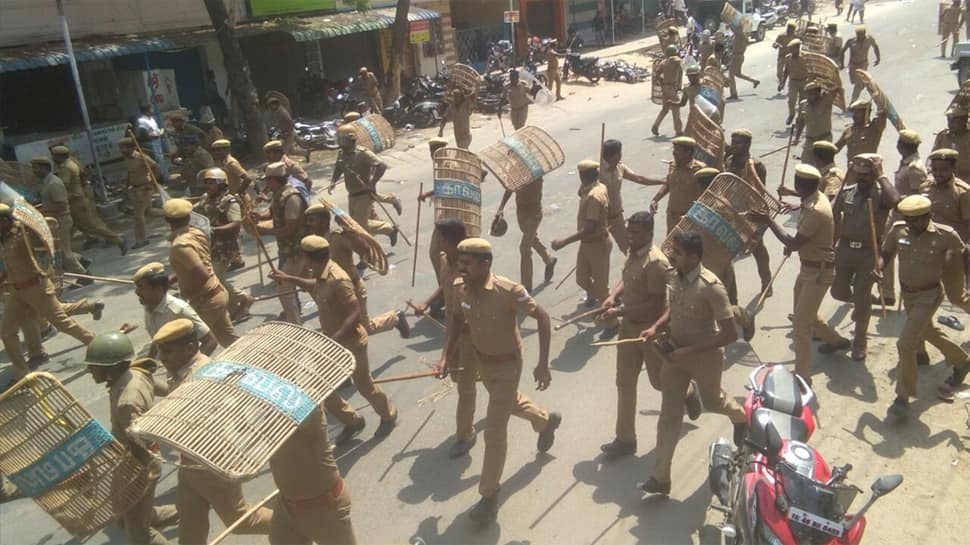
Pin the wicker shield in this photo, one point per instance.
(365, 245)
(656, 85)
(54, 451)
(718, 216)
(465, 78)
(824, 69)
(234, 412)
(962, 97)
(28, 216)
(712, 87)
(709, 137)
(816, 42)
(663, 27)
(374, 133)
(457, 188)
(522, 157)
(733, 18)
(880, 98)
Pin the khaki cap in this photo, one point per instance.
(909, 136)
(945, 153)
(706, 172)
(742, 132)
(350, 117)
(684, 141)
(814, 84)
(177, 209)
(794, 42)
(478, 246)
(275, 170)
(807, 172)
(437, 142)
(860, 29)
(914, 205)
(273, 145)
(221, 143)
(152, 269)
(5, 210)
(346, 131)
(176, 330)
(126, 141)
(824, 144)
(587, 164)
(865, 163)
(860, 104)
(314, 243)
(61, 150)
(41, 161)
(315, 208)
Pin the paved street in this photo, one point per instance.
(405, 485)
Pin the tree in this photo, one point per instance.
(399, 47)
(237, 68)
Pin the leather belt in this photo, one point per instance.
(597, 238)
(359, 193)
(817, 264)
(916, 289)
(27, 283)
(326, 498)
(497, 358)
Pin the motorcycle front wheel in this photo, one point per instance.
(594, 75)
(423, 119)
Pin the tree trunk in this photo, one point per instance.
(400, 47)
(237, 68)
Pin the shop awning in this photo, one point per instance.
(302, 29)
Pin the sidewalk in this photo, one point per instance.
(627, 48)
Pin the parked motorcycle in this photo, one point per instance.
(785, 398)
(623, 71)
(587, 67)
(316, 136)
(340, 97)
(404, 111)
(499, 56)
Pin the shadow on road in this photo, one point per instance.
(894, 439)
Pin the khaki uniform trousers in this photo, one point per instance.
(630, 359)
(214, 311)
(705, 370)
(138, 521)
(25, 309)
(466, 381)
(811, 285)
(362, 210)
(65, 227)
(236, 296)
(617, 228)
(948, 33)
(853, 284)
(519, 117)
(87, 220)
(378, 324)
(199, 490)
(84, 306)
(434, 254)
(504, 400)
(673, 219)
(734, 73)
(670, 104)
(463, 141)
(888, 284)
(795, 88)
(141, 204)
(293, 265)
(324, 522)
(761, 259)
(529, 220)
(376, 103)
(552, 76)
(857, 85)
(364, 383)
(953, 283)
(919, 328)
(593, 267)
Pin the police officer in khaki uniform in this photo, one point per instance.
(742, 164)
(211, 130)
(488, 305)
(643, 289)
(908, 180)
(612, 173)
(518, 97)
(55, 204)
(458, 110)
(199, 488)
(956, 136)
(835, 44)
(343, 245)
(813, 242)
(692, 89)
(142, 170)
(340, 316)
(192, 264)
(182, 129)
(831, 183)
(285, 221)
(854, 259)
(593, 257)
(83, 211)
(371, 89)
(671, 80)
(863, 135)
(225, 218)
(552, 69)
(950, 21)
(361, 169)
(814, 118)
(681, 184)
(434, 247)
(131, 392)
(191, 160)
(781, 43)
(737, 62)
(701, 323)
(452, 232)
(161, 307)
(273, 151)
(796, 73)
(528, 214)
(924, 247)
(950, 198)
(240, 183)
(858, 48)
(31, 297)
(281, 118)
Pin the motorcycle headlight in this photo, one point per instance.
(766, 536)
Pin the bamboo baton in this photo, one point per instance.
(577, 318)
(784, 169)
(417, 237)
(875, 251)
(98, 278)
(436, 322)
(619, 342)
(410, 376)
(764, 292)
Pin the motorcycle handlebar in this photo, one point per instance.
(839, 474)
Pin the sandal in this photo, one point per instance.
(947, 391)
(950, 321)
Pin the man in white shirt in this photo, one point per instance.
(161, 307)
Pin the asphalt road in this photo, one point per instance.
(404, 485)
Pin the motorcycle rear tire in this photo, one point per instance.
(423, 119)
(594, 76)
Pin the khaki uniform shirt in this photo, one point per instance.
(752, 171)
(691, 91)
(816, 225)
(295, 170)
(174, 380)
(683, 187)
(235, 173)
(863, 139)
(130, 396)
(304, 467)
(342, 253)
(740, 46)
(356, 167)
(188, 130)
(951, 204)
(645, 275)
(797, 70)
(213, 134)
(831, 183)
(613, 180)
(16, 257)
(672, 74)
(170, 309)
(139, 175)
(222, 210)
(859, 51)
(460, 113)
(851, 209)
(921, 257)
(950, 18)
(959, 142)
(698, 301)
(448, 273)
(782, 40)
(369, 86)
(552, 60)
(594, 205)
(334, 292)
(189, 252)
(529, 197)
(491, 315)
(518, 95)
(817, 117)
(70, 173)
(911, 175)
(53, 196)
(287, 207)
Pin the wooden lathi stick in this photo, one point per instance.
(774, 151)
(784, 170)
(99, 278)
(875, 252)
(225, 533)
(425, 315)
(410, 376)
(417, 236)
(764, 292)
(273, 295)
(570, 273)
(577, 318)
(618, 342)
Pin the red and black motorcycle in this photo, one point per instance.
(790, 402)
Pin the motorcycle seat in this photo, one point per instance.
(788, 426)
(781, 392)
